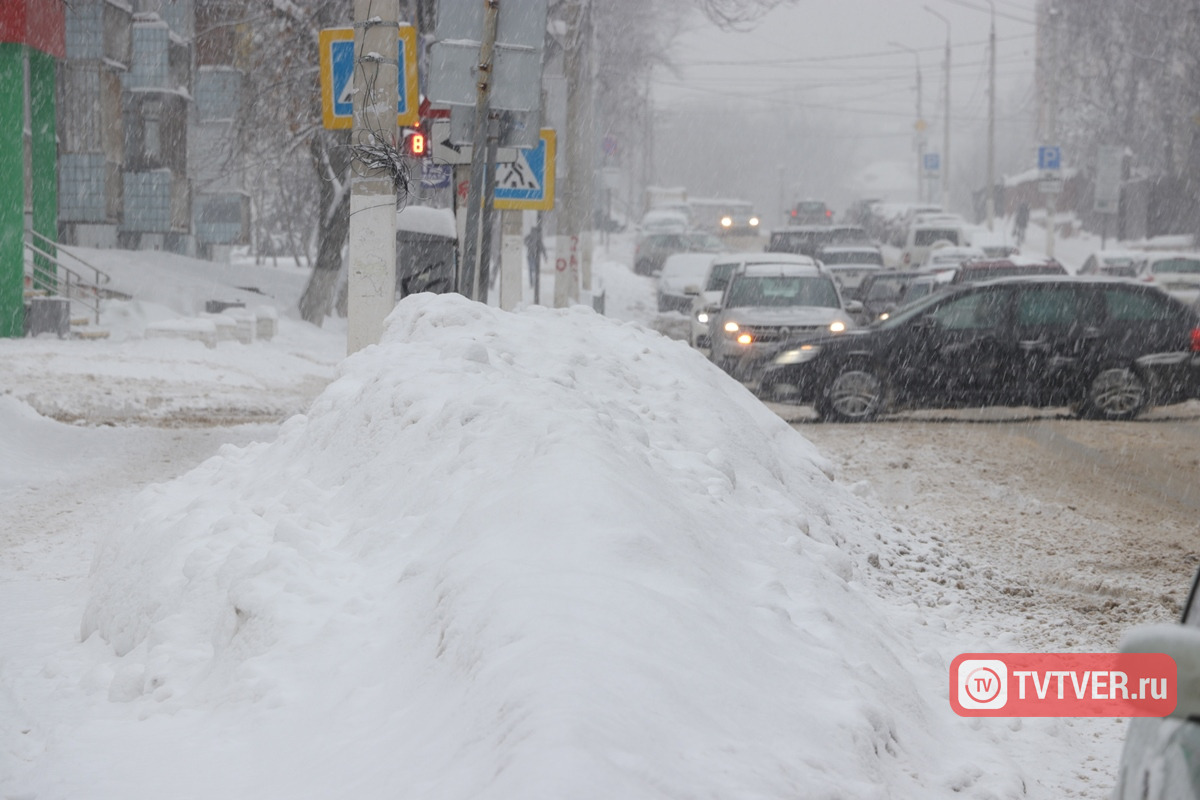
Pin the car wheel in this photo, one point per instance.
(1116, 393)
(643, 267)
(854, 395)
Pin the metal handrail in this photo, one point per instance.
(77, 289)
(102, 277)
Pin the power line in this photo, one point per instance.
(846, 57)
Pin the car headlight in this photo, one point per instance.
(745, 338)
(884, 316)
(799, 355)
(731, 327)
(837, 327)
(702, 317)
(753, 222)
(726, 222)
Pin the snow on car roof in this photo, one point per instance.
(764, 258)
(427, 220)
(687, 264)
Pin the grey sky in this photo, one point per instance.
(832, 60)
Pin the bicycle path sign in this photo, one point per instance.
(337, 74)
(528, 182)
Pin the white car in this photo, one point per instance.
(1113, 263)
(1161, 754)
(923, 236)
(949, 257)
(706, 295)
(681, 272)
(662, 220)
(1177, 274)
(765, 304)
(850, 264)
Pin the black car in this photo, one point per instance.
(885, 291)
(1108, 348)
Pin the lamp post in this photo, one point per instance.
(946, 119)
(919, 125)
(991, 157)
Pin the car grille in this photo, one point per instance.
(778, 333)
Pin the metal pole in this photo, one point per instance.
(946, 119)
(991, 165)
(483, 276)
(918, 125)
(1052, 125)
(371, 278)
(483, 92)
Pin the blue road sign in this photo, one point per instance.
(337, 77)
(1050, 157)
(435, 176)
(933, 162)
(528, 182)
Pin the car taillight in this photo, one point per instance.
(1196, 340)
(907, 257)
(829, 213)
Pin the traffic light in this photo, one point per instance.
(418, 145)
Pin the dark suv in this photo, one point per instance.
(1108, 348)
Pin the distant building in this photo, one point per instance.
(146, 117)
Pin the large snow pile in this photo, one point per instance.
(535, 555)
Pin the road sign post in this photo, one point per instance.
(1051, 185)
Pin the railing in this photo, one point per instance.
(65, 281)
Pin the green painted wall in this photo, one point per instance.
(12, 189)
(44, 146)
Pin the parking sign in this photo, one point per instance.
(1050, 158)
(337, 78)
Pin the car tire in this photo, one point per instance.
(856, 394)
(643, 267)
(1115, 392)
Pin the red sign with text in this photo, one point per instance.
(1062, 685)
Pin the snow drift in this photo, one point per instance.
(535, 555)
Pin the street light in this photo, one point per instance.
(991, 145)
(946, 121)
(920, 123)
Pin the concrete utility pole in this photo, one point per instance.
(371, 279)
(479, 166)
(946, 119)
(573, 244)
(1052, 125)
(918, 126)
(991, 156)
(511, 264)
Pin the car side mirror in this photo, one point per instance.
(854, 306)
(1181, 643)
(691, 289)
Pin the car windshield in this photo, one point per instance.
(1119, 271)
(853, 257)
(974, 275)
(702, 241)
(811, 207)
(783, 291)
(906, 313)
(849, 235)
(927, 236)
(887, 288)
(718, 278)
(1186, 266)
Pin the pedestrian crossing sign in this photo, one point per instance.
(528, 182)
(337, 78)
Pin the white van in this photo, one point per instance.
(921, 237)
